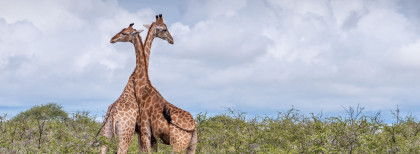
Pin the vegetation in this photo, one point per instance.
(49, 129)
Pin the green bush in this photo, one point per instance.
(49, 129)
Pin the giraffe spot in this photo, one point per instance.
(148, 99)
(144, 96)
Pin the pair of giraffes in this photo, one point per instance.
(141, 108)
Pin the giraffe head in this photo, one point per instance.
(160, 29)
(126, 35)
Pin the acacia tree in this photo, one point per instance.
(39, 116)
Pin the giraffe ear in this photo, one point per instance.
(147, 26)
(136, 32)
(139, 31)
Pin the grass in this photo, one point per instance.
(48, 129)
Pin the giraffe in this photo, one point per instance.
(121, 117)
(159, 118)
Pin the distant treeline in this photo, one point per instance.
(49, 129)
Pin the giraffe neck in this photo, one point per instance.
(141, 66)
(148, 43)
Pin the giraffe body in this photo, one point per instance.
(153, 124)
(121, 117)
(176, 127)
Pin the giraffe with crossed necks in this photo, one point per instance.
(156, 118)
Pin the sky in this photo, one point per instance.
(256, 56)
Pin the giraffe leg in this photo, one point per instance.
(145, 136)
(138, 138)
(193, 143)
(125, 133)
(107, 132)
(145, 142)
(154, 144)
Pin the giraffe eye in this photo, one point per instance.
(124, 33)
(164, 30)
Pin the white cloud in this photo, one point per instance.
(313, 55)
(260, 56)
(408, 55)
(60, 51)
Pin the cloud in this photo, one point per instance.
(257, 56)
(408, 55)
(275, 54)
(60, 51)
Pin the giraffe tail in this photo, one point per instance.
(167, 114)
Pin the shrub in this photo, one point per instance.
(49, 129)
